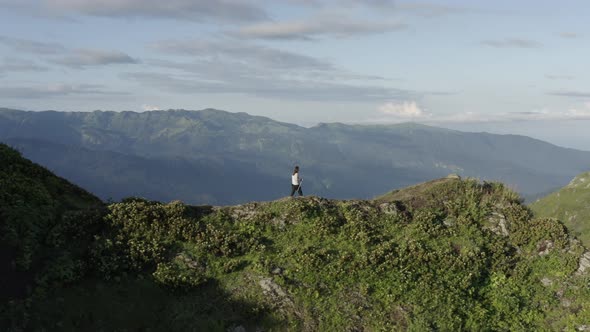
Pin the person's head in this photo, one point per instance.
(296, 170)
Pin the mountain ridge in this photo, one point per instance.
(338, 160)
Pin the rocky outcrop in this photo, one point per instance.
(498, 224)
(584, 263)
(275, 293)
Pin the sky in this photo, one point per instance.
(509, 67)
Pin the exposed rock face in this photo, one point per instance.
(584, 263)
(191, 263)
(245, 212)
(391, 208)
(274, 292)
(544, 247)
(498, 224)
(546, 282)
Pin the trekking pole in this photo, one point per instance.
(299, 188)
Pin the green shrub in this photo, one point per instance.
(178, 276)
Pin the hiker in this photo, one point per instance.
(296, 182)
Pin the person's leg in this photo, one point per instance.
(293, 189)
(300, 191)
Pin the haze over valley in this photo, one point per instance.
(217, 157)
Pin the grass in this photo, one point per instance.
(571, 205)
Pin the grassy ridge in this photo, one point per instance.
(446, 255)
(570, 204)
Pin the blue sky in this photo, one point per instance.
(499, 66)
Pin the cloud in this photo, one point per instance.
(240, 52)
(471, 117)
(231, 58)
(20, 65)
(230, 66)
(150, 108)
(409, 111)
(404, 110)
(265, 86)
(86, 57)
(427, 9)
(79, 58)
(54, 90)
(569, 35)
(31, 46)
(512, 43)
(559, 77)
(196, 10)
(318, 26)
(573, 94)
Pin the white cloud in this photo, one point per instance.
(198, 10)
(20, 65)
(405, 110)
(409, 111)
(270, 87)
(32, 46)
(231, 66)
(316, 26)
(242, 53)
(86, 57)
(571, 93)
(539, 115)
(512, 43)
(559, 77)
(54, 90)
(570, 35)
(59, 54)
(428, 9)
(150, 108)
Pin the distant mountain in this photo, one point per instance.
(236, 157)
(114, 175)
(570, 204)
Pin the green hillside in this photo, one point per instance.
(448, 255)
(570, 204)
(34, 206)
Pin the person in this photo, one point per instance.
(296, 182)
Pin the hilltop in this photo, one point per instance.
(221, 158)
(571, 204)
(451, 254)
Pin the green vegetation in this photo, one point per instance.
(570, 204)
(447, 255)
(44, 224)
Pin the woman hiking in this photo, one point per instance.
(296, 182)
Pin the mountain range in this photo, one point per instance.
(217, 157)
